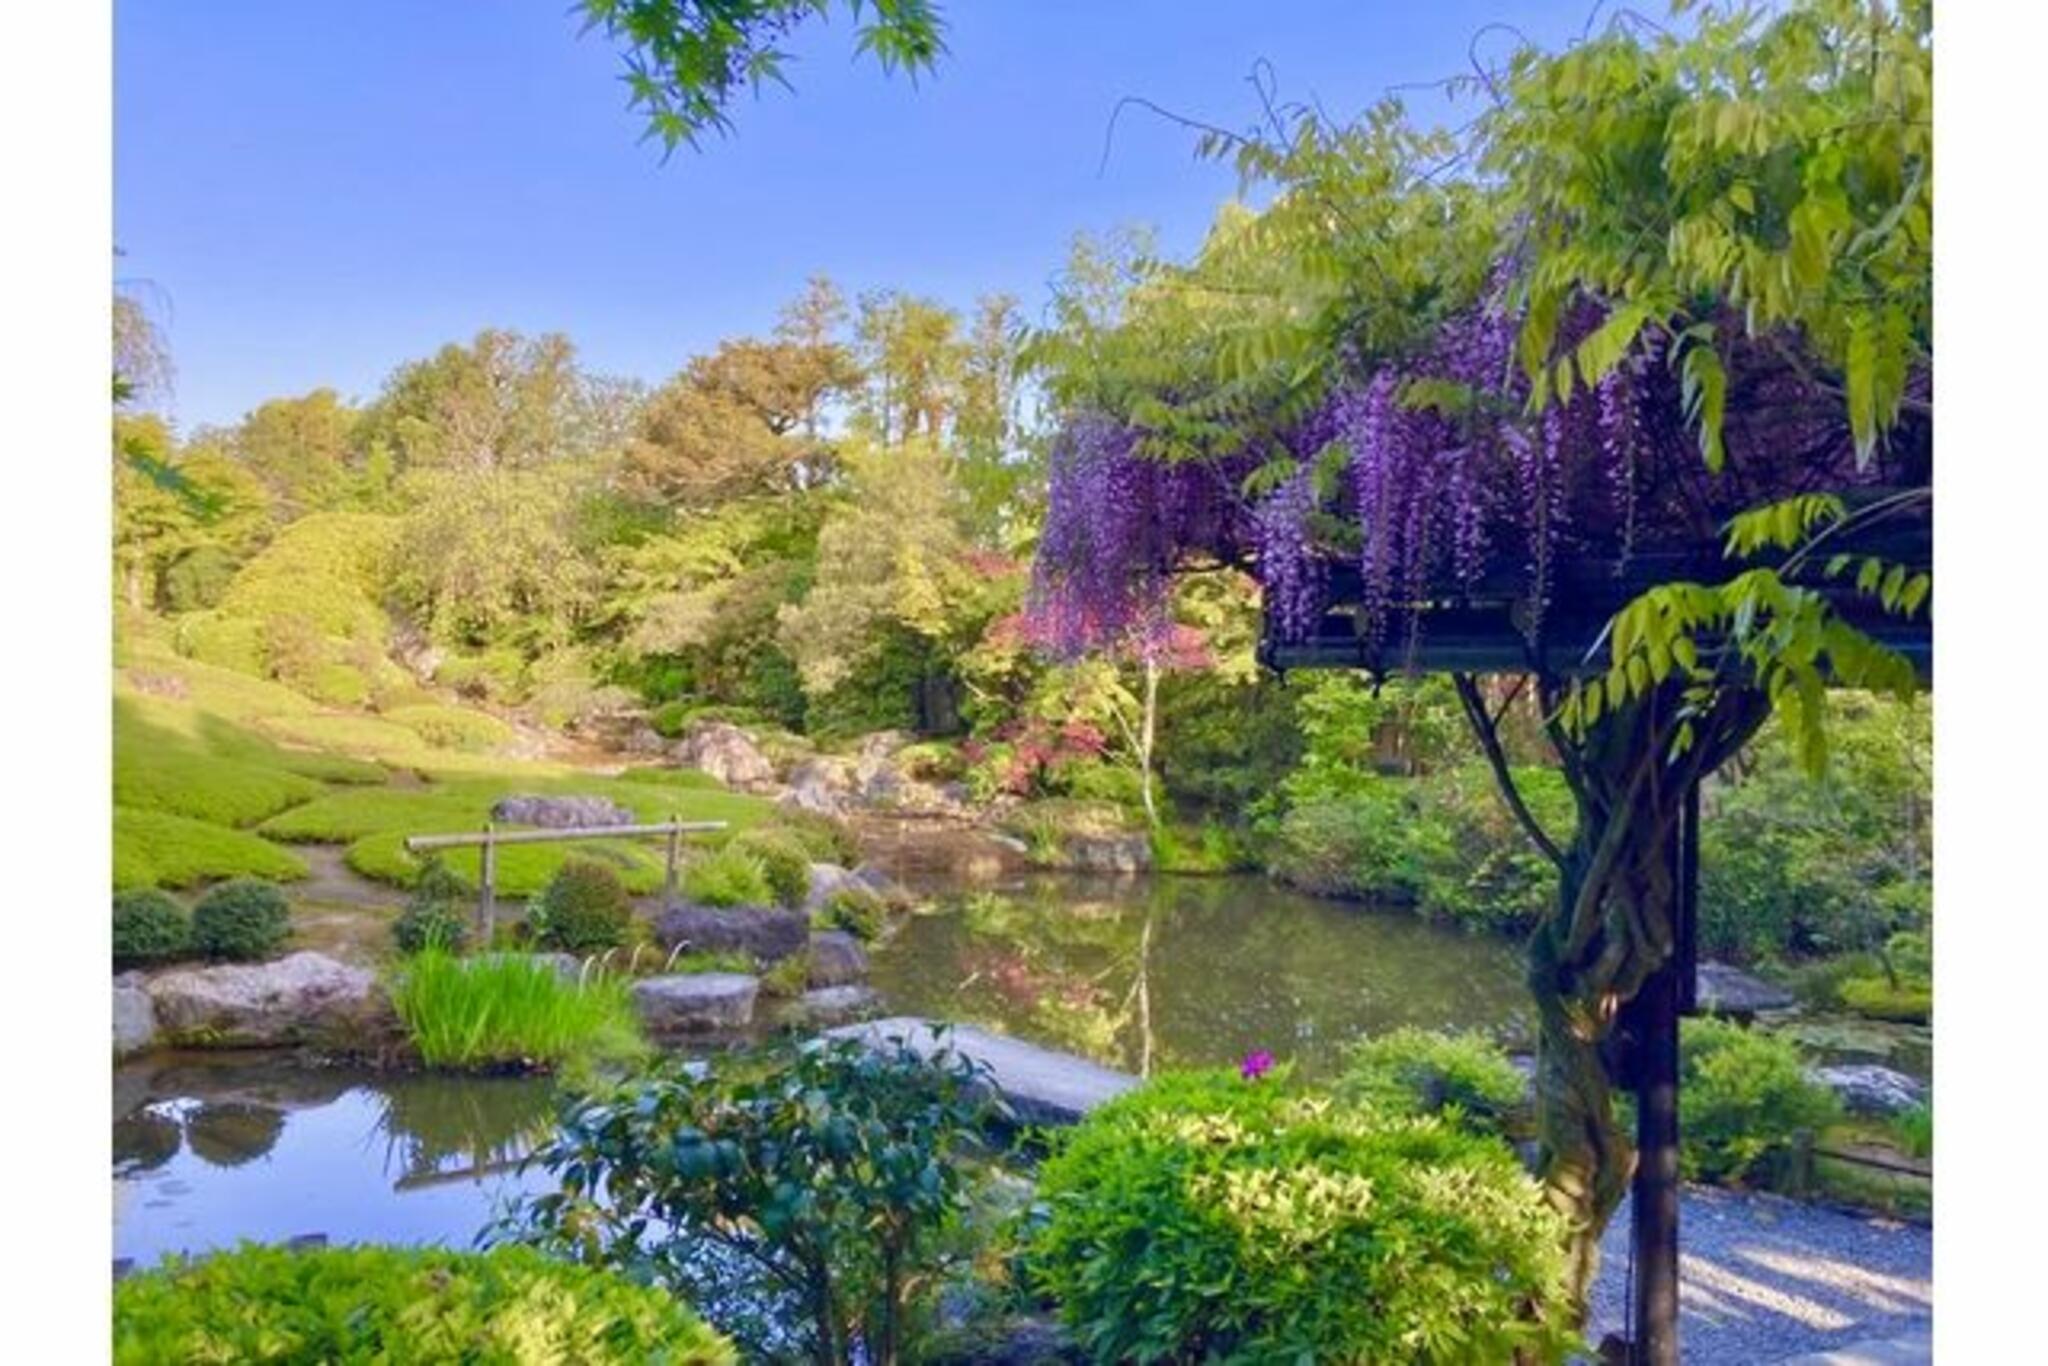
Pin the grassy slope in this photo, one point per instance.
(214, 771)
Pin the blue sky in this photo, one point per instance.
(316, 192)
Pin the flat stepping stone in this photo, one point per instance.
(1043, 1086)
(823, 1007)
(695, 1002)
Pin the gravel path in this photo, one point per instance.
(1762, 1278)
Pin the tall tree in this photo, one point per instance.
(911, 351)
(302, 448)
(504, 401)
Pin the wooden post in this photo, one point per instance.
(487, 909)
(675, 853)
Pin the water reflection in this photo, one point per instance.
(1145, 974)
(209, 1151)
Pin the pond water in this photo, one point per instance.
(1139, 973)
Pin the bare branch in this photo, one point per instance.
(1486, 728)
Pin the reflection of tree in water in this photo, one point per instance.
(230, 1133)
(144, 1141)
(431, 1122)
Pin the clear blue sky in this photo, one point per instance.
(320, 191)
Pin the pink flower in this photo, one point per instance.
(1255, 1065)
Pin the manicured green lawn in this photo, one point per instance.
(156, 849)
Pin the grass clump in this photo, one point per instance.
(434, 915)
(1913, 1131)
(425, 1305)
(826, 840)
(784, 862)
(730, 876)
(1413, 1071)
(510, 1010)
(585, 909)
(149, 927)
(157, 849)
(243, 920)
(857, 910)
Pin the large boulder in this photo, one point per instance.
(301, 998)
(837, 959)
(821, 785)
(695, 1003)
(1867, 1089)
(1725, 990)
(768, 933)
(134, 1016)
(1093, 853)
(727, 753)
(561, 813)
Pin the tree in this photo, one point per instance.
(487, 554)
(910, 350)
(301, 448)
(685, 61)
(505, 401)
(1673, 286)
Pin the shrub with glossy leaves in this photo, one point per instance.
(149, 927)
(1420, 1072)
(245, 919)
(728, 877)
(1747, 1100)
(784, 862)
(436, 914)
(1207, 1217)
(424, 1305)
(585, 909)
(797, 1196)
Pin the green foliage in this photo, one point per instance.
(245, 919)
(154, 849)
(1418, 1071)
(799, 1195)
(785, 863)
(447, 727)
(485, 551)
(498, 675)
(1914, 1131)
(1881, 998)
(858, 911)
(585, 909)
(1747, 1100)
(157, 768)
(435, 915)
(223, 641)
(503, 1010)
(340, 685)
(326, 569)
(425, 1305)
(149, 927)
(1206, 848)
(825, 839)
(729, 876)
(1206, 1217)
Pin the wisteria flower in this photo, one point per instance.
(1255, 1065)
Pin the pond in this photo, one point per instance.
(1138, 973)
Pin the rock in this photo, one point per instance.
(1041, 1085)
(769, 933)
(643, 740)
(1867, 1089)
(825, 1007)
(828, 879)
(695, 1002)
(301, 998)
(882, 885)
(727, 753)
(561, 813)
(1020, 1340)
(1724, 990)
(134, 1016)
(1130, 853)
(837, 959)
(821, 785)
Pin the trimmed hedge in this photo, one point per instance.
(149, 927)
(1418, 1072)
(156, 849)
(244, 920)
(424, 1305)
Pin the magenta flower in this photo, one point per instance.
(1255, 1065)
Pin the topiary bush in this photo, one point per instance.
(729, 876)
(149, 927)
(435, 915)
(784, 862)
(1747, 1100)
(1205, 1217)
(425, 1305)
(1420, 1072)
(584, 909)
(858, 911)
(243, 920)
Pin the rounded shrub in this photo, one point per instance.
(1747, 1100)
(584, 909)
(730, 876)
(1421, 1072)
(244, 919)
(149, 927)
(858, 911)
(1206, 1217)
(435, 915)
(427, 1305)
(784, 861)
